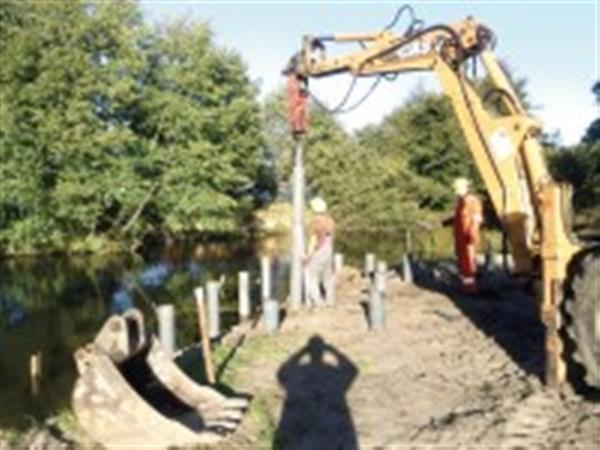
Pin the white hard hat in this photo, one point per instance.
(318, 205)
(461, 185)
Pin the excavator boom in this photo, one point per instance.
(532, 207)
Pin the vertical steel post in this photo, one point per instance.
(338, 265)
(35, 372)
(296, 272)
(369, 264)
(244, 295)
(407, 274)
(376, 301)
(265, 278)
(338, 262)
(381, 276)
(214, 319)
(166, 327)
(271, 315)
(209, 368)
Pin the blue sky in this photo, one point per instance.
(554, 44)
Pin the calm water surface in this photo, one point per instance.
(55, 304)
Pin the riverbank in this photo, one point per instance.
(271, 220)
(58, 432)
(447, 371)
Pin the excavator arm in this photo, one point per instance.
(531, 206)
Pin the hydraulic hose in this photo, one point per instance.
(462, 53)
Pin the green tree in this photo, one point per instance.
(592, 134)
(69, 73)
(365, 189)
(425, 135)
(579, 165)
(111, 128)
(201, 118)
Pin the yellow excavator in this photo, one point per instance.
(534, 209)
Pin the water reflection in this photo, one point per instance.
(120, 301)
(55, 304)
(156, 274)
(11, 312)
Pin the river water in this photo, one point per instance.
(54, 304)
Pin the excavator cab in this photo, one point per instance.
(130, 393)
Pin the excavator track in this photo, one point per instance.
(583, 308)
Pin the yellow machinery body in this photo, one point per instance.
(504, 147)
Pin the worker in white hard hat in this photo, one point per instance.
(468, 217)
(318, 262)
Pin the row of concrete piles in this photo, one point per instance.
(208, 299)
(377, 272)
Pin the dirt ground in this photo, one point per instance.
(446, 371)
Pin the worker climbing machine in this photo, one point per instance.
(131, 393)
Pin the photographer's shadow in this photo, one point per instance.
(315, 413)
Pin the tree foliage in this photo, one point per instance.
(401, 170)
(380, 178)
(111, 128)
(425, 135)
(579, 165)
(592, 134)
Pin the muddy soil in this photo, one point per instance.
(446, 371)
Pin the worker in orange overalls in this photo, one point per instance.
(468, 218)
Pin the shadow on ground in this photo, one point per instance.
(315, 413)
(503, 311)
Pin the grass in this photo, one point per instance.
(63, 422)
(11, 439)
(258, 350)
(263, 423)
(229, 361)
(66, 421)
